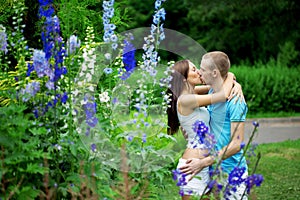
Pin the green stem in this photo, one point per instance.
(256, 164)
(248, 143)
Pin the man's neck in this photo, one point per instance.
(217, 85)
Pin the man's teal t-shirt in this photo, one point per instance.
(221, 116)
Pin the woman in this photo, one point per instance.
(187, 105)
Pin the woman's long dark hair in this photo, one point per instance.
(179, 74)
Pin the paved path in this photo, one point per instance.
(273, 129)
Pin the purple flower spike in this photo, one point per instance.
(242, 145)
(128, 59)
(254, 179)
(31, 90)
(235, 176)
(64, 97)
(93, 147)
(181, 192)
(211, 184)
(179, 177)
(144, 138)
(3, 40)
(255, 124)
(130, 138)
(109, 36)
(201, 130)
(73, 44)
(40, 64)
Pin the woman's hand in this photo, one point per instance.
(192, 167)
(236, 91)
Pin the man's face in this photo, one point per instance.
(206, 73)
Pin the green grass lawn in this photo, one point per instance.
(280, 166)
(271, 115)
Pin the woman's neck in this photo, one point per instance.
(189, 90)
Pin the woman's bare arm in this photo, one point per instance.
(202, 89)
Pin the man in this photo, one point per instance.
(226, 123)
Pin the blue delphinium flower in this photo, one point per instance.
(235, 176)
(108, 12)
(159, 14)
(41, 65)
(128, 60)
(251, 150)
(53, 48)
(158, 3)
(144, 137)
(46, 11)
(254, 179)
(234, 180)
(128, 56)
(3, 40)
(52, 41)
(32, 88)
(93, 147)
(107, 70)
(179, 177)
(90, 112)
(30, 91)
(73, 44)
(129, 138)
(211, 184)
(242, 145)
(201, 130)
(30, 68)
(181, 192)
(255, 124)
(203, 136)
(176, 173)
(64, 97)
(214, 172)
(36, 112)
(45, 3)
(87, 131)
(150, 55)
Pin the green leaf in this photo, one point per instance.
(73, 150)
(38, 131)
(63, 190)
(28, 193)
(35, 168)
(6, 141)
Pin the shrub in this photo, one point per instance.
(270, 88)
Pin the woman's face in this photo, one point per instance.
(193, 75)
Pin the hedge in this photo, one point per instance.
(269, 88)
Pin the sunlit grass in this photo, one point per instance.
(272, 115)
(280, 166)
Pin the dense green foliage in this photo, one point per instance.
(49, 149)
(270, 88)
(246, 30)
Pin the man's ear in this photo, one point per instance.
(215, 73)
